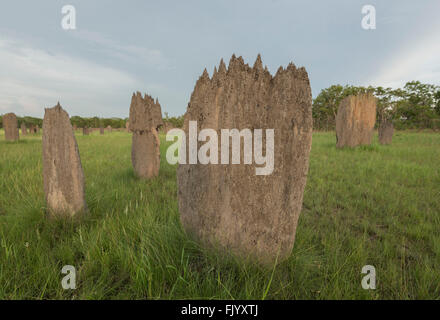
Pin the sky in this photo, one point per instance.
(162, 47)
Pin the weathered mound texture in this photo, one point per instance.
(11, 127)
(386, 131)
(145, 119)
(62, 171)
(229, 205)
(23, 129)
(355, 120)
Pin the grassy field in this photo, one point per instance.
(377, 205)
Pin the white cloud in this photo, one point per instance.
(141, 55)
(417, 60)
(31, 79)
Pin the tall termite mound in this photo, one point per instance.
(63, 175)
(23, 129)
(144, 121)
(10, 125)
(228, 204)
(355, 120)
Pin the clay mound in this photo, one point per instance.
(23, 129)
(62, 171)
(145, 153)
(386, 131)
(355, 120)
(10, 125)
(229, 205)
(145, 119)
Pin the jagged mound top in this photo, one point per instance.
(241, 96)
(145, 113)
(56, 108)
(53, 116)
(237, 65)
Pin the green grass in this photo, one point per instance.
(377, 205)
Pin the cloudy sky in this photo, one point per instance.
(162, 47)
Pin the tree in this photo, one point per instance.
(419, 105)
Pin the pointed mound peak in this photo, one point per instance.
(232, 61)
(291, 66)
(205, 75)
(279, 71)
(258, 65)
(222, 67)
(215, 73)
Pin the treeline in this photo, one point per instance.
(175, 122)
(27, 120)
(415, 106)
(94, 122)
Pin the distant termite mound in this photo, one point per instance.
(23, 129)
(386, 131)
(10, 125)
(144, 122)
(355, 120)
(228, 204)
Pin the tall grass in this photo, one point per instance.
(377, 205)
